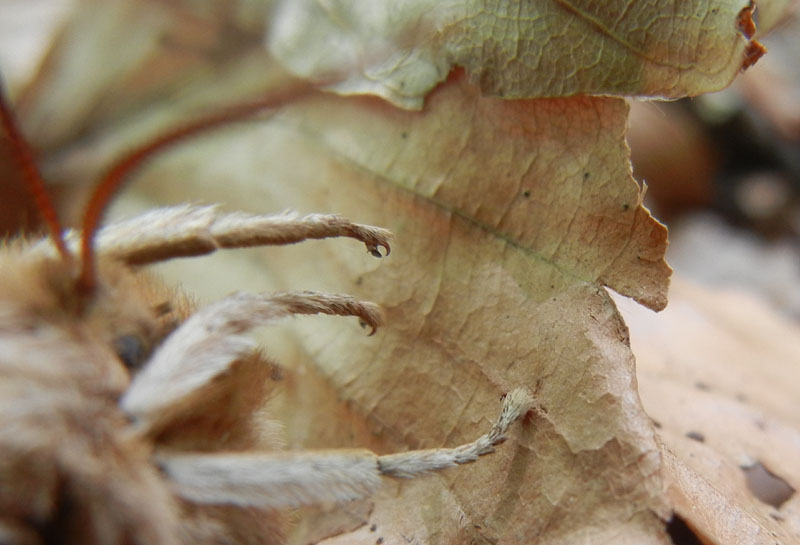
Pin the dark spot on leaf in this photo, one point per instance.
(404, 135)
(379, 541)
(586, 175)
(626, 207)
(657, 424)
(680, 533)
(766, 486)
(526, 193)
(696, 436)
(741, 398)
(373, 527)
(702, 386)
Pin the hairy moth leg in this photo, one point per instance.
(187, 230)
(283, 480)
(211, 341)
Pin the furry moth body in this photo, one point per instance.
(126, 417)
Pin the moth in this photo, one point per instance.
(129, 417)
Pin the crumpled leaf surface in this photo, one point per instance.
(485, 289)
(509, 216)
(401, 50)
(725, 399)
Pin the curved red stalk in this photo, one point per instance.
(117, 175)
(23, 154)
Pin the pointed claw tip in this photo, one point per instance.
(363, 323)
(373, 249)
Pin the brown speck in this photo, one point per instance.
(379, 541)
(373, 527)
(526, 193)
(696, 436)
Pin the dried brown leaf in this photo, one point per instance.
(494, 280)
(725, 399)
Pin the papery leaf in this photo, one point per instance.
(509, 217)
(725, 399)
(401, 50)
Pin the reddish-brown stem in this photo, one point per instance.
(23, 154)
(119, 172)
